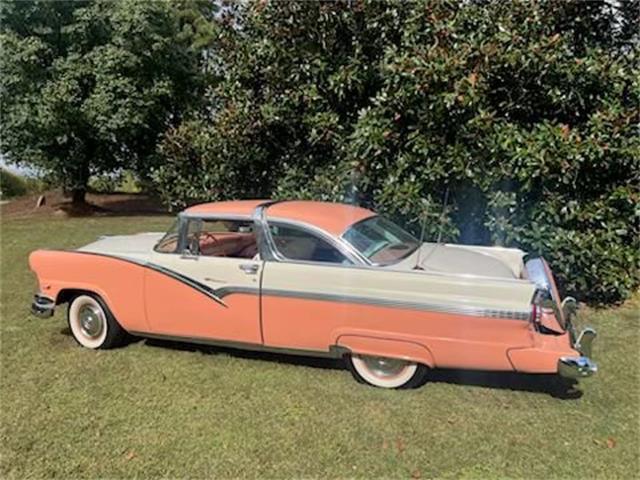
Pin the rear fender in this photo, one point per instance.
(386, 347)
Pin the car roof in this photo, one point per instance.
(334, 218)
(235, 207)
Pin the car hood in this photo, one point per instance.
(124, 245)
(464, 259)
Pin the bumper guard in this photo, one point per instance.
(582, 366)
(42, 306)
(576, 367)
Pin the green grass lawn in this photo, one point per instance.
(155, 409)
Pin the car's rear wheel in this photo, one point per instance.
(386, 372)
(92, 323)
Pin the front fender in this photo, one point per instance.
(117, 281)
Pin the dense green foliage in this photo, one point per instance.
(87, 87)
(527, 113)
(524, 115)
(13, 185)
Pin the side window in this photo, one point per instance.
(169, 242)
(222, 238)
(296, 243)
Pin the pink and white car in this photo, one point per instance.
(319, 279)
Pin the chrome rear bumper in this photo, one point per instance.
(576, 367)
(42, 306)
(582, 366)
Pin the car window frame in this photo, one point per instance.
(201, 221)
(267, 251)
(313, 231)
(177, 225)
(183, 225)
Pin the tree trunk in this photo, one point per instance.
(78, 196)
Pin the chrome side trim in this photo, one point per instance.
(222, 292)
(218, 294)
(430, 307)
(202, 288)
(333, 352)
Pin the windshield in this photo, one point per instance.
(381, 240)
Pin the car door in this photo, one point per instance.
(210, 289)
(294, 314)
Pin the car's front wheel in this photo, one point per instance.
(92, 324)
(386, 372)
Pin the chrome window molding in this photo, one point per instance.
(313, 231)
(269, 251)
(338, 242)
(266, 246)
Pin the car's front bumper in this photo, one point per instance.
(42, 306)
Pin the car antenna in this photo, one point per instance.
(425, 211)
(444, 211)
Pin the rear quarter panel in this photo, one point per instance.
(445, 339)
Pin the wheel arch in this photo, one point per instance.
(383, 346)
(66, 295)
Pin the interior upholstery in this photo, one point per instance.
(229, 244)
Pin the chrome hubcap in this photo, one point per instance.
(384, 367)
(91, 322)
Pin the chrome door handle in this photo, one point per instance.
(249, 268)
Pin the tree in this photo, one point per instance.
(88, 87)
(526, 112)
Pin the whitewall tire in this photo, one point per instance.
(386, 372)
(92, 324)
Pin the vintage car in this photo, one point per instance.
(318, 279)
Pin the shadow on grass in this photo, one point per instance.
(553, 385)
(314, 362)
